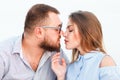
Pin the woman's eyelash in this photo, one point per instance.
(70, 30)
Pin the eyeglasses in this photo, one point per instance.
(56, 28)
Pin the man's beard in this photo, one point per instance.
(49, 46)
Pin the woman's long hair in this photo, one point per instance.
(90, 31)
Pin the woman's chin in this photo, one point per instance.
(68, 48)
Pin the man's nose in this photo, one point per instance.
(61, 32)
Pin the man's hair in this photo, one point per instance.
(38, 14)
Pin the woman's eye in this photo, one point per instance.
(70, 30)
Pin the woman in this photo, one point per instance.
(89, 60)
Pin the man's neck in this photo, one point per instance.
(31, 52)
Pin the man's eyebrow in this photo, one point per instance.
(60, 25)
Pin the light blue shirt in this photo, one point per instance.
(14, 67)
(87, 68)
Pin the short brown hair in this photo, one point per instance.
(37, 14)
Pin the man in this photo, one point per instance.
(28, 57)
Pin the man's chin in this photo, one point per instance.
(50, 47)
(53, 49)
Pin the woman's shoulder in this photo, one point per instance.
(108, 69)
(107, 61)
(110, 73)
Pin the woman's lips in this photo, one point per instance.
(66, 41)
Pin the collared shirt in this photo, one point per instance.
(86, 67)
(13, 66)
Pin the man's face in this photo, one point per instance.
(50, 45)
(52, 35)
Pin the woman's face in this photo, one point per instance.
(72, 36)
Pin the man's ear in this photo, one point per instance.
(38, 32)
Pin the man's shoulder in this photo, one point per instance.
(8, 44)
(8, 41)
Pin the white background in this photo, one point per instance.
(13, 12)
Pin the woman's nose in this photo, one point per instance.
(64, 34)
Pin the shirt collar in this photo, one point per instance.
(17, 48)
(87, 55)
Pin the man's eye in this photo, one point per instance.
(57, 29)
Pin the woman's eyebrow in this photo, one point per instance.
(68, 26)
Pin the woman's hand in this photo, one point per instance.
(58, 66)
